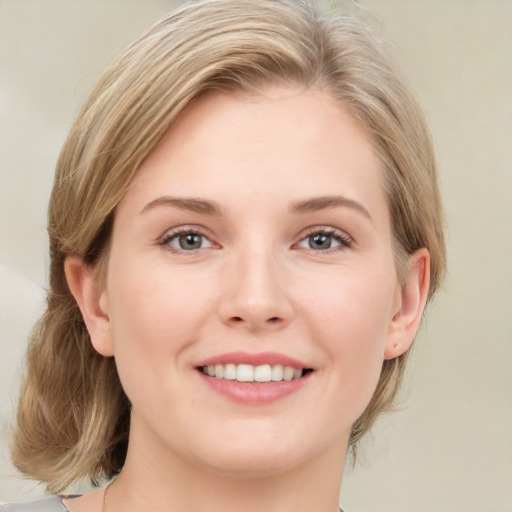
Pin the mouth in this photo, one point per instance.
(254, 379)
(250, 373)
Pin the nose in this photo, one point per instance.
(256, 295)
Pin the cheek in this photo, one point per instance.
(149, 297)
(350, 320)
(350, 304)
(155, 315)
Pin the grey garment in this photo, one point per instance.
(48, 504)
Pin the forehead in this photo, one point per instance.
(286, 143)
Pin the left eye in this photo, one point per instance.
(321, 241)
(188, 241)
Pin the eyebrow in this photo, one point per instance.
(190, 204)
(206, 207)
(326, 202)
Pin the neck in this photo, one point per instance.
(160, 481)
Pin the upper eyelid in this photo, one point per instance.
(324, 229)
(187, 228)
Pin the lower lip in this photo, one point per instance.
(254, 393)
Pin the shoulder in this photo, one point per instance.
(48, 504)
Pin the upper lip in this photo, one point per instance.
(255, 359)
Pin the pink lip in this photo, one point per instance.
(253, 359)
(253, 393)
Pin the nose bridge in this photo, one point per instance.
(257, 295)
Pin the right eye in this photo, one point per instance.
(186, 240)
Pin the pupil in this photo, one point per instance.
(320, 241)
(190, 241)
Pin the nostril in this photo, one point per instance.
(272, 320)
(253, 322)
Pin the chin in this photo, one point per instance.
(258, 456)
(259, 463)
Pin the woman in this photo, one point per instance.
(245, 228)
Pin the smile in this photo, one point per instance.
(251, 373)
(254, 379)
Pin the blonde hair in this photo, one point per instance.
(73, 416)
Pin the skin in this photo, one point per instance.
(257, 283)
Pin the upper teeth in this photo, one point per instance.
(250, 373)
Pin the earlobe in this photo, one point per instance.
(412, 301)
(92, 300)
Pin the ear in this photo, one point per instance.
(410, 305)
(92, 301)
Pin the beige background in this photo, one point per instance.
(450, 447)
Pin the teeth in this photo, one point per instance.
(263, 373)
(289, 373)
(219, 371)
(230, 372)
(244, 373)
(250, 373)
(277, 372)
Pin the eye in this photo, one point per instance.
(187, 240)
(325, 239)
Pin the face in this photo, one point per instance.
(251, 290)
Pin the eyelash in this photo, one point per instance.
(182, 231)
(344, 240)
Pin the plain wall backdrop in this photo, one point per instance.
(449, 448)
